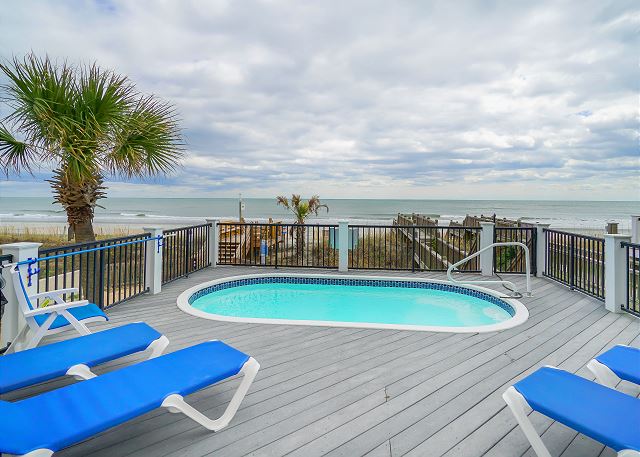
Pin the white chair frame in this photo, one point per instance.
(521, 410)
(175, 403)
(604, 375)
(29, 308)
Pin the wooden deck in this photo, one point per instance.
(352, 392)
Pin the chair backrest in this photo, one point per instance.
(24, 302)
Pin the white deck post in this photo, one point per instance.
(486, 239)
(213, 241)
(153, 260)
(343, 245)
(12, 319)
(635, 229)
(541, 249)
(615, 272)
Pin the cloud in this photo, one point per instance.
(371, 99)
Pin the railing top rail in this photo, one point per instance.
(516, 228)
(94, 243)
(31, 261)
(443, 227)
(589, 237)
(273, 224)
(629, 244)
(177, 229)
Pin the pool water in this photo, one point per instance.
(347, 303)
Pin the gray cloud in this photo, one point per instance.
(365, 99)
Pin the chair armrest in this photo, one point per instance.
(54, 293)
(56, 308)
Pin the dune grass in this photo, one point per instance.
(57, 236)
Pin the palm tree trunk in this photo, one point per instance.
(300, 244)
(79, 198)
(83, 231)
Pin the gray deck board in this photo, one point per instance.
(351, 392)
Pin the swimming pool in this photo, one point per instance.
(353, 301)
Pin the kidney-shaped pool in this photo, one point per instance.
(353, 301)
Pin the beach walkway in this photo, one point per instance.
(351, 392)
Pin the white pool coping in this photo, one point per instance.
(521, 311)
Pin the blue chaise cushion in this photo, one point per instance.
(81, 313)
(624, 361)
(43, 363)
(599, 412)
(62, 417)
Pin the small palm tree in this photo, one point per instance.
(301, 210)
(87, 123)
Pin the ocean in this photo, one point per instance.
(585, 216)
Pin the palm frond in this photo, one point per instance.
(283, 201)
(315, 205)
(15, 155)
(41, 96)
(149, 143)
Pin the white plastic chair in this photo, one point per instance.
(51, 319)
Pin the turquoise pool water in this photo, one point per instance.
(352, 303)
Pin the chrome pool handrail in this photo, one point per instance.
(503, 282)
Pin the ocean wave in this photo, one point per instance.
(133, 214)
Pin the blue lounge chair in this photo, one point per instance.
(77, 356)
(61, 316)
(617, 364)
(601, 413)
(79, 411)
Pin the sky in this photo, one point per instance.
(366, 99)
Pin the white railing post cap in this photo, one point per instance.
(20, 245)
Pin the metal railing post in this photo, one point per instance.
(572, 259)
(99, 289)
(187, 245)
(276, 248)
(413, 249)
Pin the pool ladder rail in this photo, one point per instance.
(511, 287)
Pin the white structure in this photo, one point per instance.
(213, 241)
(541, 251)
(343, 245)
(12, 319)
(486, 240)
(153, 259)
(635, 229)
(615, 272)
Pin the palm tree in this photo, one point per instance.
(301, 210)
(87, 123)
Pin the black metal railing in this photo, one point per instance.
(575, 260)
(185, 250)
(278, 245)
(104, 277)
(412, 247)
(512, 259)
(633, 278)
